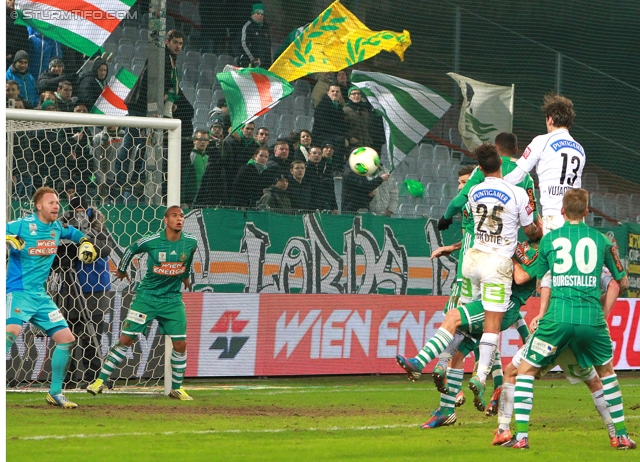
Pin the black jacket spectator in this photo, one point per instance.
(249, 185)
(49, 80)
(278, 166)
(320, 179)
(329, 124)
(356, 190)
(255, 43)
(17, 38)
(213, 187)
(275, 199)
(90, 86)
(238, 151)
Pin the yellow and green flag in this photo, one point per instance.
(335, 40)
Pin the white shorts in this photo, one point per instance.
(567, 362)
(487, 277)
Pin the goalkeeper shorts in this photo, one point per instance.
(170, 314)
(36, 307)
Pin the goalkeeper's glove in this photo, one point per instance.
(16, 242)
(87, 252)
(443, 223)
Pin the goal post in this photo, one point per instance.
(28, 127)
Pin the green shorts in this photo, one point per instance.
(170, 314)
(591, 345)
(37, 308)
(472, 316)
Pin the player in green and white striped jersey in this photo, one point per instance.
(169, 258)
(574, 254)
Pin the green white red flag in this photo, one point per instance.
(251, 92)
(111, 100)
(83, 25)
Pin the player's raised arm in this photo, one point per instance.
(445, 250)
(457, 203)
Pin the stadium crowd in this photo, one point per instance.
(242, 169)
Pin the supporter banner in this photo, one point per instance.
(634, 261)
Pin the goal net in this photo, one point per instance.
(122, 171)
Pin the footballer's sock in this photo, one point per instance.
(11, 337)
(59, 364)
(448, 352)
(488, 346)
(178, 366)
(116, 355)
(454, 298)
(505, 410)
(613, 398)
(601, 407)
(521, 326)
(522, 404)
(496, 371)
(434, 347)
(448, 401)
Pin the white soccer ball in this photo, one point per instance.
(364, 161)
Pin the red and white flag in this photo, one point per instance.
(111, 100)
(83, 25)
(251, 92)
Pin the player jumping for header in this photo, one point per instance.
(33, 242)
(170, 254)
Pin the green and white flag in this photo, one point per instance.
(111, 100)
(83, 25)
(408, 108)
(486, 110)
(251, 92)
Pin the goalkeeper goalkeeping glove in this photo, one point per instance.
(16, 242)
(87, 252)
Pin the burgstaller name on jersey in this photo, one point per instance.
(577, 280)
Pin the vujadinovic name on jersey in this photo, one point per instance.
(575, 280)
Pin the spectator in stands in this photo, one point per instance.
(251, 181)
(356, 113)
(275, 197)
(64, 95)
(47, 96)
(329, 124)
(48, 105)
(13, 90)
(239, 148)
(279, 164)
(193, 168)
(302, 152)
(213, 187)
(255, 40)
(324, 82)
(385, 200)
(333, 167)
(42, 50)
(17, 37)
(221, 111)
(299, 190)
(262, 137)
(92, 83)
(357, 191)
(345, 84)
(16, 103)
(50, 79)
(136, 102)
(18, 73)
(80, 107)
(320, 180)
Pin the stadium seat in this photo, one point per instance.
(111, 47)
(204, 95)
(622, 212)
(422, 210)
(286, 105)
(217, 95)
(137, 61)
(444, 172)
(143, 34)
(590, 181)
(300, 103)
(406, 210)
(193, 57)
(454, 137)
(124, 41)
(433, 190)
(190, 75)
(223, 60)
(303, 122)
(130, 33)
(188, 10)
(429, 201)
(142, 49)
(302, 87)
(596, 200)
(610, 202)
(412, 164)
(412, 176)
(137, 69)
(201, 117)
(426, 150)
(190, 94)
(427, 178)
(271, 121)
(436, 211)
(126, 53)
(200, 105)
(440, 154)
(286, 122)
(623, 199)
(206, 77)
(210, 59)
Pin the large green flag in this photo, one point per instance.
(409, 109)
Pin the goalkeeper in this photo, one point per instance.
(33, 242)
(170, 254)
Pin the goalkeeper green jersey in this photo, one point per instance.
(508, 164)
(168, 263)
(575, 254)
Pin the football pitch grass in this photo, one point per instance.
(306, 419)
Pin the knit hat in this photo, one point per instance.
(217, 121)
(257, 8)
(20, 55)
(46, 103)
(353, 88)
(78, 202)
(56, 61)
(222, 102)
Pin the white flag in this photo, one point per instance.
(486, 111)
